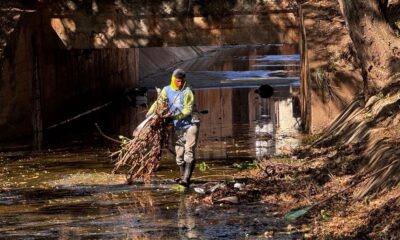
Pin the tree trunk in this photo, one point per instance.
(378, 48)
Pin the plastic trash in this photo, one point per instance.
(238, 185)
(199, 190)
(218, 186)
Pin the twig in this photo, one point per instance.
(79, 115)
(365, 177)
(105, 136)
(294, 214)
(17, 10)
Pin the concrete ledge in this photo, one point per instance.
(152, 60)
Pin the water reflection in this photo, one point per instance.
(174, 216)
(238, 66)
(241, 124)
(239, 58)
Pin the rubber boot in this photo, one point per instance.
(189, 167)
(182, 172)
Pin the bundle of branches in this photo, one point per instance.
(140, 156)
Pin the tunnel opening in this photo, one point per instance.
(226, 81)
(57, 79)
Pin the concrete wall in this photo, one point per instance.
(16, 84)
(154, 59)
(70, 81)
(122, 32)
(172, 23)
(330, 75)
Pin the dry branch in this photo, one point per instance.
(140, 156)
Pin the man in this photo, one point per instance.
(180, 99)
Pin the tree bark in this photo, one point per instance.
(377, 47)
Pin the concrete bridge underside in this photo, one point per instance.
(173, 23)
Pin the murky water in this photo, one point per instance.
(72, 195)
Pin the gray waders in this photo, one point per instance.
(185, 144)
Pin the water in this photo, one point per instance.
(241, 124)
(237, 66)
(72, 195)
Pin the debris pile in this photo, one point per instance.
(227, 193)
(140, 156)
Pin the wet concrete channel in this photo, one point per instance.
(67, 194)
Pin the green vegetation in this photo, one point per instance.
(178, 188)
(124, 140)
(245, 165)
(203, 166)
(325, 215)
(309, 139)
